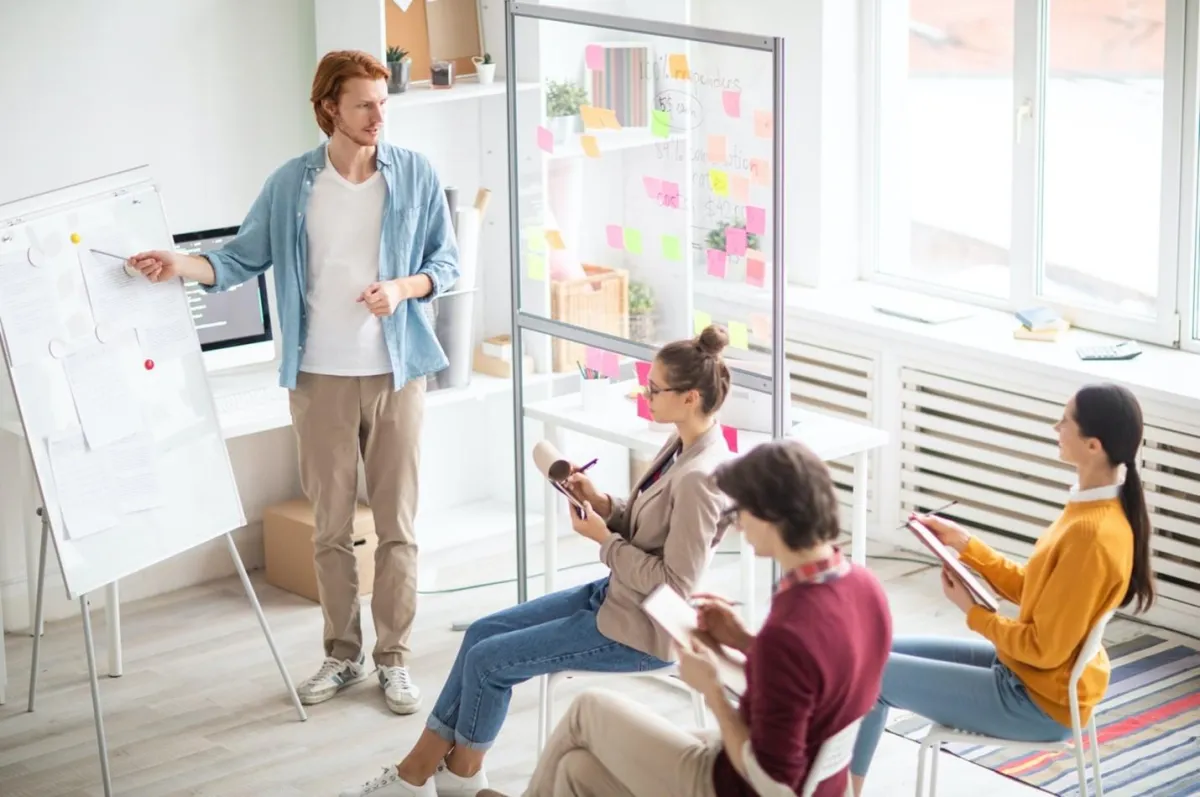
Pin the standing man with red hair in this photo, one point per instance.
(360, 236)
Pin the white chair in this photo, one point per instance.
(549, 682)
(832, 758)
(939, 734)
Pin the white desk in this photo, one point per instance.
(830, 438)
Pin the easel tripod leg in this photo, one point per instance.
(101, 740)
(262, 621)
(37, 613)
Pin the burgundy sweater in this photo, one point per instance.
(815, 667)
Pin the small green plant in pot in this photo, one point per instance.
(641, 312)
(399, 65)
(562, 107)
(485, 68)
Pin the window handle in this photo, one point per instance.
(1024, 113)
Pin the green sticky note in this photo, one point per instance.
(633, 241)
(738, 335)
(537, 239)
(672, 248)
(660, 124)
(700, 321)
(537, 266)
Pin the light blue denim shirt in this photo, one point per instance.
(417, 238)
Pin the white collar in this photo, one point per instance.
(1104, 493)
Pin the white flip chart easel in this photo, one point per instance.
(113, 399)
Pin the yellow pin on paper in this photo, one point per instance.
(75, 238)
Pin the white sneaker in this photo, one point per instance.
(334, 676)
(450, 785)
(388, 784)
(401, 694)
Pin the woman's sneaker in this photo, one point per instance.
(334, 676)
(388, 784)
(450, 785)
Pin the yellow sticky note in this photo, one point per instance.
(738, 337)
(672, 248)
(677, 67)
(716, 149)
(537, 239)
(592, 117)
(537, 266)
(700, 321)
(555, 240)
(590, 147)
(608, 119)
(719, 181)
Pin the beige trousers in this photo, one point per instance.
(609, 746)
(336, 418)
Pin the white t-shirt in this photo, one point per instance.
(344, 224)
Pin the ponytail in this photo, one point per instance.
(1133, 501)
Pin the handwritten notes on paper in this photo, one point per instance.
(97, 486)
(173, 338)
(118, 298)
(104, 400)
(29, 316)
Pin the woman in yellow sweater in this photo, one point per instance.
(1093, 558)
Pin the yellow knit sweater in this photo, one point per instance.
(1079, 570)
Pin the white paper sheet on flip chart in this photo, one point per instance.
(100, 387)
(28, 309)
(174, 338)
(83, 485)
(133, 465)
(116, 297)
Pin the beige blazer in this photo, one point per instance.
(665, 535)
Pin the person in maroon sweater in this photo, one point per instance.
(814, 667)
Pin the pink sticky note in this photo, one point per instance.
(764, 124)
(616, 236)
(643, 372)
(670, 195)
(653, 187)
(733, 103)
(643, 405)
(756, 271)
(545, 140)
(593, 56)
(756, 220)
(760, 171)
(739, 187)
(610, 364)
(716, 262)
(730, 434)
(592, 359)
(735, 241)
(760, 325)
(716, 149)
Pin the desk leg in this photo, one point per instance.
(112, 620)
(858, 521)
(550, 507)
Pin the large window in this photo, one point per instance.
(1030, 152)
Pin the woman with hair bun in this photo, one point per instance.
(664, 532)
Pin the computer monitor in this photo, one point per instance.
(234, 326)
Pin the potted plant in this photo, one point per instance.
(398, 64)
(641, 312)
(485, 68)
(562, 108)
(716, 236)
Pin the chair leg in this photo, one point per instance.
(936, 752)
(921, 769)
(699, 715)
(546, 710)
(1098, 784)
(1080, 767)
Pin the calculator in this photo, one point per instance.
(1125, 350)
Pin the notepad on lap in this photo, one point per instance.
(673, 615)
(978, 591)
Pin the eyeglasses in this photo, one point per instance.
(651, 390)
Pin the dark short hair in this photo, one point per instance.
(784, 483)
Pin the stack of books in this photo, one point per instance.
(1040, 323)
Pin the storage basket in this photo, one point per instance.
(599, 302)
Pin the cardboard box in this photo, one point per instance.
(288, 547)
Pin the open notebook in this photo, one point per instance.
(678, 619)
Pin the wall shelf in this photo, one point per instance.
(463, 90)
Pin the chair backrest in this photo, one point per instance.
(1091, 646)
(832, 758)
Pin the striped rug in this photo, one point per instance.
(1148, 724)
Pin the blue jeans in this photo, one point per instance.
(550, 634)
(958, 683)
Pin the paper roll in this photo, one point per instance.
(466, 224)
(550, 462)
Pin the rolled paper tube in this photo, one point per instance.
(550, 462)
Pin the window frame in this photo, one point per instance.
(884, 73)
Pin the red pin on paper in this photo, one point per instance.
(149, 365)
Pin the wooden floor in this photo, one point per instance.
(201, 709)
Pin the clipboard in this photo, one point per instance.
(978, 591)
(556, 469)
(672, 613)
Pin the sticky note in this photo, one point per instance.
(677, 67)
(670, 195)
(653, 187)
(756, 271)
(592, 358)
(731, 439)
(537, 239)
(633, 241)
(592, 118)
(732, 101)
(536, 264)
(760, 325)
(590, 147)
(643, 407)
(615, 236)
(608, 119)
(593, 57)
(610, 364)
(716, 262)
(700, 321)
(643, 372)
(672, 248)
(738, 337)
(660, 124)
(545, 140)
(739, 187)
(760, 171)
(716, 149)
(735, 241)
(764, 124)
(555, 240)
(756, 220)
(719, 182)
